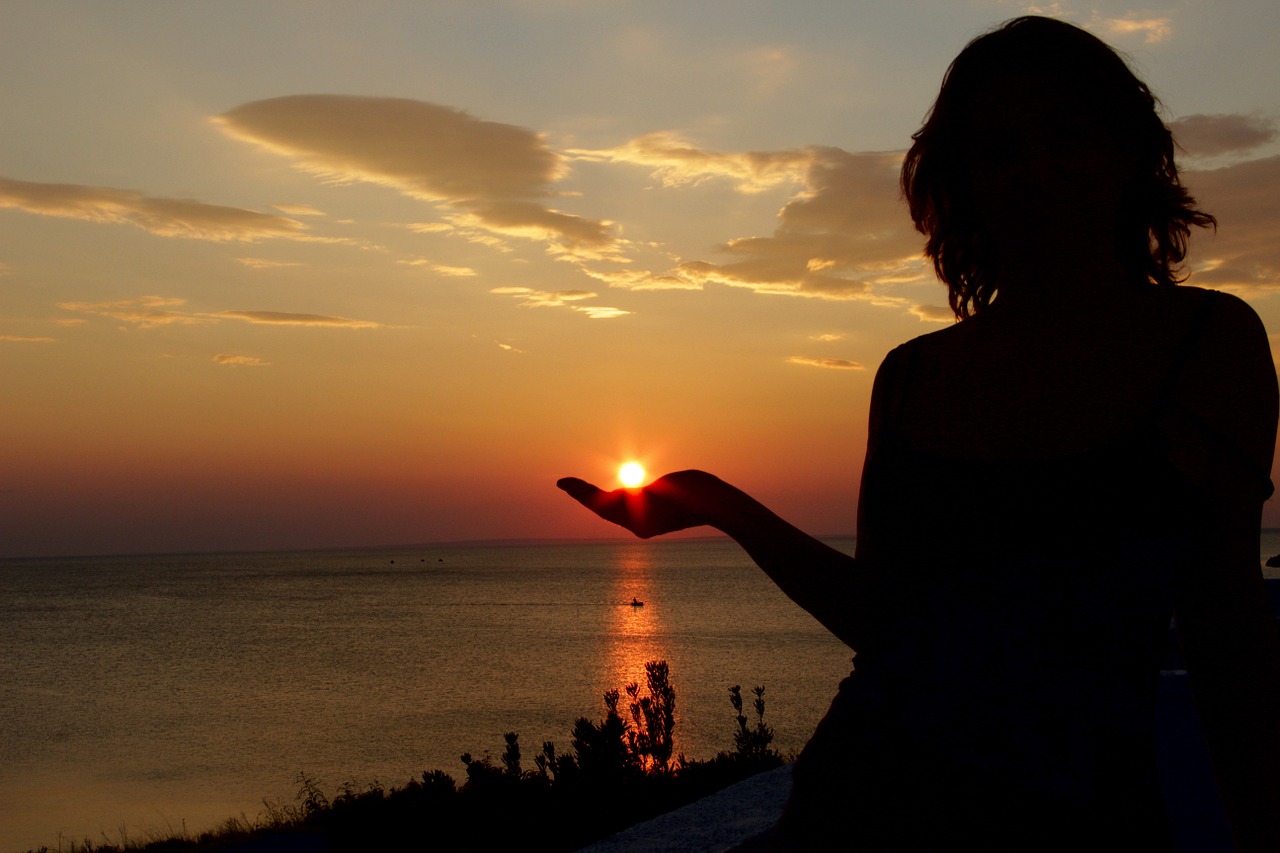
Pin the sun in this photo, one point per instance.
(631, 474)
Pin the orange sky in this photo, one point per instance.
(302, 275)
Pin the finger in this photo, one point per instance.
(605, 504)
(580, 490)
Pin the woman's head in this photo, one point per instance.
(1039, 123)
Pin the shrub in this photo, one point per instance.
(620, 772)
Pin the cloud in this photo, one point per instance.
(1214, 135)
(643, 279)
(453, 272)
(144, 311)
(772, 69)
(23, 339)
(484, 174)
(240, 360)
(507, 347)
(827, 338)
(1244, 253)
(934, 313)
(1152, 30)
(846, 235)
(599, 312)
(544, 298)
(165, 217)
(264, 264)
(441, 269)
(429, 151)
(1053, 10)
(565, 234)
(829, 363)
(560, 299)
(279, 318)
(298, 210)
(676, 162)
(845, 232)
(147, 311)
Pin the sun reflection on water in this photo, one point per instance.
(636, 633)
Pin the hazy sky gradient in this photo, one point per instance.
(297, 274)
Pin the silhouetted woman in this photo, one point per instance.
(1084, 453)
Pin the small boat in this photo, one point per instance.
(635, 602)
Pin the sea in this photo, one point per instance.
(142, 696)
(146, 695)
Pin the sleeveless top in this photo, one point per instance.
(1005, 691)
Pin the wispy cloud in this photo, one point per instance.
(23, 339)
(828, 363)
(239, 360)
(934, 313)
(264, 264)
(148, 311)
(441, 269)
(676, 162)
(281, 318)
(1152, 30)
(632, 279)
(485, 175)
(453, 272)
(1244, 253)
(530, 298)
(298, 210)
(827, 338)
(1215, 135)
(1052, 10)
(143, 312)
(599, 312)
(772, 69)
(165, 217)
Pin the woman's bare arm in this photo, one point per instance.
(812, 574)
(1225, 621)
(1229, 638)
(832, 586)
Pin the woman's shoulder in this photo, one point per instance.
(1075, 378)
(1192, 315)
(1224, 395)
(941, 339)
(1191, 298)
(1211, 311)
(1222, 333)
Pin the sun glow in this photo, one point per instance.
(631, 474)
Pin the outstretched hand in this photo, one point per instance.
(673, 502)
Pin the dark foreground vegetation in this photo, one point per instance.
(621, 771)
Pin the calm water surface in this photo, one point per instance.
(148, 693)
(143, 694)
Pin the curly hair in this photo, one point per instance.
(1156, 214)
